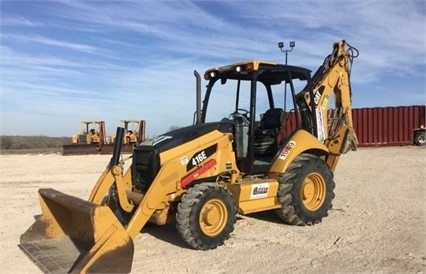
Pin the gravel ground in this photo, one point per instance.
(377, 223)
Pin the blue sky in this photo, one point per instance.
(65, 61)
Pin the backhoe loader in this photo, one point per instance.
(229, 162)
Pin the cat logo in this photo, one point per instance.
(318, 94)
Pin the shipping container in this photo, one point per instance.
(379, 126)
(387, 126)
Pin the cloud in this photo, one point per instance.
(389, 34)
(51, 42)
(65, 61)
(8, 21)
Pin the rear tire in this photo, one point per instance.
(420, 138)
(206, 216)
(305, 191)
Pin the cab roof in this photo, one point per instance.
(268, 72)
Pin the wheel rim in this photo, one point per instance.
(213, 217)
(313, 191)
(422, 139)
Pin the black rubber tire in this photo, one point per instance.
(191, 209)
(420, 138)
(304, 170)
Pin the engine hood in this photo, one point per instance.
(183, 135)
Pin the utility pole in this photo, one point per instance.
(292, 44)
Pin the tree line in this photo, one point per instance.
(32, 142)
(9, 142)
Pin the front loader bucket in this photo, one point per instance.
(74, 235)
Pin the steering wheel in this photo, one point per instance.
(240, 116)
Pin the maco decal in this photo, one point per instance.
(259, 191)
(200, 157)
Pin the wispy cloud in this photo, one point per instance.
(51, 42)
(8, 21)
(65, 61)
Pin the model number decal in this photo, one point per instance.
(200, 156)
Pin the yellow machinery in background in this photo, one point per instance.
(92, 132)
(92, 138)
(134, 132)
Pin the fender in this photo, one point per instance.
(301, 141)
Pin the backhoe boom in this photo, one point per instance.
(334, 128)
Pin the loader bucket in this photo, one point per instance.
(76, 236)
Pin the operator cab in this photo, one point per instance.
(263, 111)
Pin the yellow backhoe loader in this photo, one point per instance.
(229, 162)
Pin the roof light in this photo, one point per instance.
(238, 69)
(249, 66)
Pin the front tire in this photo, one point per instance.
(206, 216)
(305, 191)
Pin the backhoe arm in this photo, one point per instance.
(332, 127)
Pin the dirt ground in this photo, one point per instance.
(377, 223)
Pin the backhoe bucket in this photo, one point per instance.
(76, 236)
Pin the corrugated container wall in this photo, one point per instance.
(387, 126)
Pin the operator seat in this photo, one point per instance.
(271, 121)
(265, 137)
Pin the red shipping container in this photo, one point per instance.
(387, 126)
(379, 126)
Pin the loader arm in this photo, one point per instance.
(332, 127)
